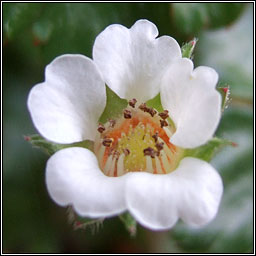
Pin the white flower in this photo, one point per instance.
(138, 163)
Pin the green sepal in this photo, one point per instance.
(129, 222)
(225, 94)
(188, 48)
(83, 223)
(114, 106)
(50, 147)
(155, 103)
(207, 151)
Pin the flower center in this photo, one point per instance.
(137, 141)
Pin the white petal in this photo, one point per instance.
(152, 200)
(132, 61)
(200, 191)
(192, 192)
(66, 107)
(73, 177)
(192, 101)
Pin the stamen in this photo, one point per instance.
(120, 165)
(98, 140)
(111, 172)
(143, 107)
(151, 111)
(108, 164)
(101, 128)
(116, 154)
(162, 165)
(160, 146)
(132, 102)
(164, 114)
(149, 164)
(155, 136)
(165, 161)
(101, 153)
(126, 151)
(112, 123)
(149, 152)
(157, 153)
(168, 132)
(158, 166)
(107, 142)
(127, 114)
(166, 149)
(110, 151)
(163, 123)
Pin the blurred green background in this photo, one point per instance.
(34, 34)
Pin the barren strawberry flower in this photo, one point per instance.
(138, 162)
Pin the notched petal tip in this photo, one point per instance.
(193, 102)
(192, 192)
(133, 60)
(145, 27)
(207, 75)
(151, 199)
(66, 107)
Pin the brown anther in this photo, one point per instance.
(107, 142)
(149, 152)
(151, 111)
(116, 154)
(164, 114)
(127, 114)
(112, 122)
(155, 136)
(163, 123)
(143, 107)
(101, 128)
(126, 151)
(159, 146)
(132, 102)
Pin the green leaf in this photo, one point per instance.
(50, 147)
(42, 31)
(230, 52)
(188, 48)
(18, 16)
(34, 225)
(129, 222)
(73, 27)
(207, 151)
(190, 18)
(59, 28)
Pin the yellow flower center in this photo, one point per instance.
(137, 141)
